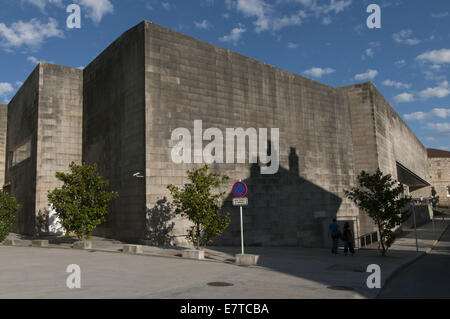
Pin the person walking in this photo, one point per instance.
(335, 234)
(348, 238)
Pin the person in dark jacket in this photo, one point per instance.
(347, 237)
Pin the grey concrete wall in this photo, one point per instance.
(22, 126)
(114, 130)
(59, 137)
(360, 102)
(396, 142)
(187, 80)
(381, 139)
(3, 131)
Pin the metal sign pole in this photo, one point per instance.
(240, 190)
(242, 232)
(415, 228)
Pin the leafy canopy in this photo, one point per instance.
(8, 210)
(82, 202)
(199, 203)
(380, 197)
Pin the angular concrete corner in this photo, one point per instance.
(246, 260)
(133, 249)
(39, 243)
(193, 254)
(82, 245)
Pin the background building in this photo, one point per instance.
(153, 80)
(440, 174)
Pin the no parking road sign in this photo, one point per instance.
(239, 189)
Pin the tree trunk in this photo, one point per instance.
(383, 251)
(198, 236)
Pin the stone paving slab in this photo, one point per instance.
(312, 264)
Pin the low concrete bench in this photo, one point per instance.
(14, 242)
(132, 249)
(247, 260)
(82, 245)
(193, 254)
(39, 243)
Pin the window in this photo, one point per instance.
(20, 154)
(438, 163)
(439, 175)
(448, 191)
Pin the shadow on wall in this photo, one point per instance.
(160, 223)
(284, 209)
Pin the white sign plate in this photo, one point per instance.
(242, 201)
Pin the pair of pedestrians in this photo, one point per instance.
(346, 236)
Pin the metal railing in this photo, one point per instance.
(368, 239)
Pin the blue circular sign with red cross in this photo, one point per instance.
(239, 189)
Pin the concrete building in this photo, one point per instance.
(153, 80)
(3, 129)
(44, 137)
(439, 162)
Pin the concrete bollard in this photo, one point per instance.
(193, 254)
(39, 243)
(133, 249)
(246, 260)
(15, 242)
(82, 245)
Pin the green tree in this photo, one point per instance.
(381, 198)
(198, 203)
(82, 202)
(8, 210)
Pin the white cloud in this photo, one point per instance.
(327, 20)
(436, 112)
(441, 91)
(234, 36)
(369, 75)
(292, 45)
(5, 88)
(416, 116)
(35, 60)
(440, 127)
(202, 25)
(97, 9)
(32, 33)
(268, 18)
(436, 56)
(167, 6)
(287, 21)
(440, 14)
(400, 63)
(442, 113)
(41, 4)
(359, 28)
(397, 85)
(319, 72)
(404, 37)
(404, 98)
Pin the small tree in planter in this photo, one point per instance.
(8, 210)
(197, 202)
(380, 197)
(81, 203)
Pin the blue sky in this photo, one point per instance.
(408, 59)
